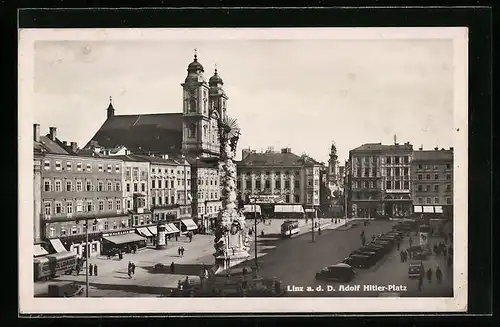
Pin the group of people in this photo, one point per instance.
(429, 273)
(131, 269)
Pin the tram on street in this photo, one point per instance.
(54, 265)
(289, 228)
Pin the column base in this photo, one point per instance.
(161, 247)
(222, 263)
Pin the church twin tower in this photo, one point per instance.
(203, 104)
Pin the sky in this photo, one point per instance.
(303, 94)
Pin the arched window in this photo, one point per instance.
(192, 105)
(192, 131)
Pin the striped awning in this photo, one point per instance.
(57, 245)
(124, 238)
(288, 208)
(144, 231)
(153, 230)
(173, 228)
(252, 208)
(190, 224)
(417, 209)
(428, 209)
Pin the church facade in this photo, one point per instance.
(191, 134)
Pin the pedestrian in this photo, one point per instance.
(420, 283)
(182, 251)
(429, 275)
(78, 268)
(95, 270)
(363, 240)
(439, 274)
(450, 250)
(179, 251)
(133, 268)
(129, 271)
(90, 269)
(190, 237)
(176, 237)
(319, 231)
(401, 254)
(172, 268)
(262, 233)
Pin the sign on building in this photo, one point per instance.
(267, 198)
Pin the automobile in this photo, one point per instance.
(361, 261)
(372, 248)
(380, 247)
(415, 269)
(65, 289)
(386, 244)
(339, 272)
(397, 235)
(369, 252)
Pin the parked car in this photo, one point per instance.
(415, 269)
(361, 261)
(370, 252)
(381, 247)
(339, 272)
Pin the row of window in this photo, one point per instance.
(277, 184)
(210, 209)
(206, 182)
(388, 159)
(397, 185)
(78, 186)
(429, 177)
(158, 184)
(204, 196)
(268, 173)
(58, 165)
(166, 170)
(436, 201)
(427, 188)
(159, 200)
(428, 167)
(69, 206)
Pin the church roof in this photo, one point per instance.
(154, 133)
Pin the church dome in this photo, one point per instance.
(195, 66)
(216, 79)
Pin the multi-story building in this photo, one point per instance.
(379, 180)
(76, 189)
(294, 179)
(135, 181)
(192, 133)
(432, 179)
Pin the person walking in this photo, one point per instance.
(182, 251)
(439, 274)
(95, 270)
(179, 251)
(410, 241)
(129, 269)
(91, 269)
(176, 237)
(398, 244)
(429, 275)
(420, 283)
(172, 268)
(401, 255)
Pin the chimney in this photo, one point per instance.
(436, 148)
(165, 156)
(53, 133)
(451, 148)
(36, 132)
(395, 142)
(286, 150)
(74, 146)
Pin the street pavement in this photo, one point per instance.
(293, 260)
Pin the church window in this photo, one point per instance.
(192, 105)
(192, 131)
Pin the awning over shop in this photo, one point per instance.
(144, 231)
(252, 208)
(190, 224)
(438, 209)
(173, 228)
(310, 210)
(123, 238)
(288, 208)
(428, 209)
(38, 250)
(417, 209)
(57, 245)
(153, 230)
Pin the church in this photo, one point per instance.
(191, 134)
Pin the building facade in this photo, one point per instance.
(75, 189)
(432, 179)
(295, 179)
(379, 180)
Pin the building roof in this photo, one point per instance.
(158, 160)
(153, 133)
(378, 147)
(47, 145)
(433, 155)
(277, 159)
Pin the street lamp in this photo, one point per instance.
(255, 234)
(94, 223)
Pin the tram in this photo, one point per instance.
(289, 228)
(54, 265)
